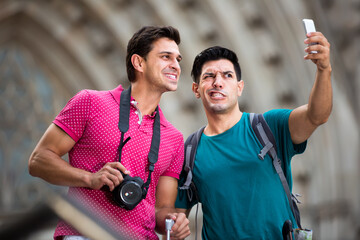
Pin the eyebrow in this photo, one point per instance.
(226, 72)
(179, 57)
(211, 73)
(208, 74)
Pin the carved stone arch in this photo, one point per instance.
(22, 29)
(41, 67)
(30, 98)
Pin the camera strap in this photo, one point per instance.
(124, 116)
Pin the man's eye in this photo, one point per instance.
(228, 75)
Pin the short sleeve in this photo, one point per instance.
(73, 117)
(278, 121)
(178, 158)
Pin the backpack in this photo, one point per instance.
(267, 140)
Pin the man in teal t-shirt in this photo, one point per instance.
(242, 196)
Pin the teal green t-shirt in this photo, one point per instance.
(242, 196)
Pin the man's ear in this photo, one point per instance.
(240, 86)
(137, 62)
(195, 89)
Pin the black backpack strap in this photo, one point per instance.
(190, 148)
(267, 140)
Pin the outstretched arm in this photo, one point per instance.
(305, 119)
(166, 192)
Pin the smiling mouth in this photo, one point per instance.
(171, 76)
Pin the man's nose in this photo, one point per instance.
(218, 81)
(175, 64)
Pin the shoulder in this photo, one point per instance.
(97, 94)
(90, 93)
(277, 114)
(98, 98)
(278, 121)
(277, 117)
(91, 100)
(80, 99)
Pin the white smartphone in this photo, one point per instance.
(309, 26)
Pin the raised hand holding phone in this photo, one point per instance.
(309, 27)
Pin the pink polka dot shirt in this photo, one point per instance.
(91, 119)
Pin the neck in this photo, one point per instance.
(219, 123)
(147, 98)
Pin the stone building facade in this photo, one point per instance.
(51, 49)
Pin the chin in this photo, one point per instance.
(172, 87)
(218, 109)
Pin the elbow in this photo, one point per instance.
(32, 164)
(320, 120)
(31, 167)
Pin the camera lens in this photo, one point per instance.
(131, 192)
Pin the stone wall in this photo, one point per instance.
(49, 50)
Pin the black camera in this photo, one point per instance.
(130, 192)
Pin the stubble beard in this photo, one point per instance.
(164, 85)
(218, 108)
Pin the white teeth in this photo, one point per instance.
(171, 76)
(217, 95)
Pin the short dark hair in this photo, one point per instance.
(211, 54)
(141, 43)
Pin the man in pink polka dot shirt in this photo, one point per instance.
(87, 129)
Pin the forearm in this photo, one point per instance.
(160, 216)
(320, 101)
(166, 192)
(55, 170)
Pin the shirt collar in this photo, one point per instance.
(116, 92)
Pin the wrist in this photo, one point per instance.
(327, 69)
(86, 179)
